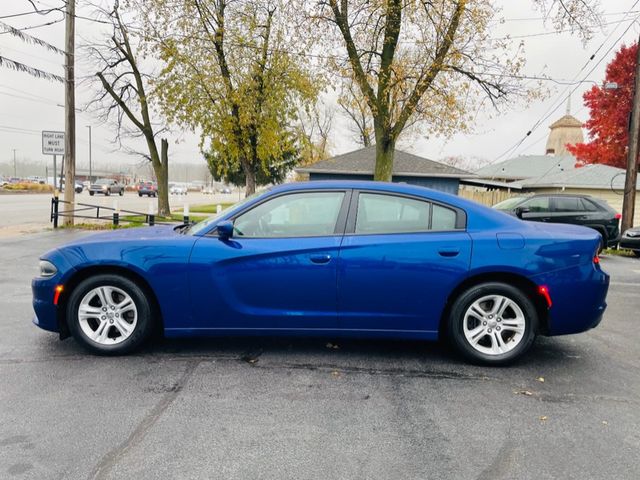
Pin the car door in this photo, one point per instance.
(278, 270)
(400, 259)
(567, 209)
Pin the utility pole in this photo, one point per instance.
(69, 112)
(89, 127)
(15, 165)
(629, 199)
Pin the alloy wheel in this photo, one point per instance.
(494, 325)
(107, 315)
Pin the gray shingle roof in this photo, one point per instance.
(363, 161)
(590, 176)
(527, 166)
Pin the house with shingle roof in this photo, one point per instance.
(407, 168)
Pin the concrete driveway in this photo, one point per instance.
(290, 408)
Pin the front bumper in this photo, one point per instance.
(43, 291)
(632, 243)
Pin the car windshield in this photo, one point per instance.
(206, 223)
(103, 181)
(509, 203)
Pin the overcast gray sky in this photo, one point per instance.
(29, 105)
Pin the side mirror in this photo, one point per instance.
(225, 229)
(520, 211)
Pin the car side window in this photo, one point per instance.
(588, 206)
(443, 218)
(537, 204)
(392, 214)
(568, 204)
(296, 215)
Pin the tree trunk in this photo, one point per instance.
(250, 182)
(162, 175)
(385, 148)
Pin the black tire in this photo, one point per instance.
(144, 324)
(121, 192)
(107, 193)
(139, 194)
(467, 298)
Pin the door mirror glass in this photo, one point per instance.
(225, 229)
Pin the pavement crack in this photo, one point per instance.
(395, 372)
(110, 460)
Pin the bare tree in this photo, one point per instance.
(123, 98)
(357, 110)
(315, 125)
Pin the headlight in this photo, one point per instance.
(47, 269)
(104, 187)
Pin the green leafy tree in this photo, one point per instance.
(228, 75)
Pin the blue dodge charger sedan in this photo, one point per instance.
(340, 258)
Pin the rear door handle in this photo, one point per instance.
(320, 258)
(449, 252)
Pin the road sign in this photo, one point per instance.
(52, 143)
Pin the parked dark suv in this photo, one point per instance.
(560, 208)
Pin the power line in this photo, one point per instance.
(549, 112)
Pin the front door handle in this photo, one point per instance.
(449, 252)
(320, 258)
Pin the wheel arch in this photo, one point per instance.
(529, 288)
(88, 271)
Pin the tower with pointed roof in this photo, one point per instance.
(567, 129)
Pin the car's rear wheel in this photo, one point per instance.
(109, 315)
(636, 253)
(492, 323)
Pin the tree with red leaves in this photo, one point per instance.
(608, 123)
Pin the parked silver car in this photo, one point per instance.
(106, 186)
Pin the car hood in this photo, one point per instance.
(131, 234)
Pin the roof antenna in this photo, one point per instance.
(569, 105)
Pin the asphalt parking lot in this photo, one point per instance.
(291, 408)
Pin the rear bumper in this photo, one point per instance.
(578, 297)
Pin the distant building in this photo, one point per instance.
(565, 130)
(407, 168)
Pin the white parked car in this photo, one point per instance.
(178, 189)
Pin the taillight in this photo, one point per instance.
(596, 259)
(618, 216)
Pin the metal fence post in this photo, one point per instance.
(54, 209)
(185, 213)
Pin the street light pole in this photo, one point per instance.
(15, 165)
(629, 199)
(89, 127)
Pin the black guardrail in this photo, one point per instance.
(114, 217)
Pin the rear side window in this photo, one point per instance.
(391, 214)
(443, 218)
(588, 205)
(568, 204)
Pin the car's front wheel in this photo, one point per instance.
(109, 315)
(121, 192)
(493, 323)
